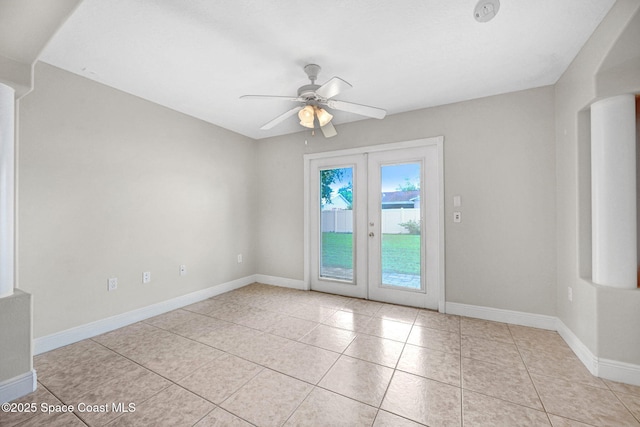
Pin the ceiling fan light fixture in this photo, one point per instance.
(323, 116)
(306, 116)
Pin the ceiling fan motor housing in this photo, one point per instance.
(308, 92)
(312, 71)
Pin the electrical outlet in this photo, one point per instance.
(112, 284)
(570, 293)
(239, 258)
(146, 277)
(183, 270)
(457, 216)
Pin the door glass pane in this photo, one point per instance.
(336, 224)
(400, 224)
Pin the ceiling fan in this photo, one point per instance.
(312, 97)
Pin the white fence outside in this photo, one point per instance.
(341, 221)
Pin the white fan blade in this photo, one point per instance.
(282, 117)
(328, 130)
(284, 98)
(363, 110)
(332, 88)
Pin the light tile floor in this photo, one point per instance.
(269, 356)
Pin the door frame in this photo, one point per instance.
(438, 141)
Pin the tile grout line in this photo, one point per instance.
(548, 414)
(526, 368)
(313, 386)
(205, 415)
(395, 368)
(60, 400)
(298, 405)
(637, 418)
(258, 373)
(173, 383)
(343, 354)
(515, 343)
(130, 360)
(260, 364)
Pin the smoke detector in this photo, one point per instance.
(486, 10)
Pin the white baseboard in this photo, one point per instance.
(281, 281)
(613, 370)
(19, 386)
(540, 321)
(603, 368)
(619, 371)
(582, 351)
(70, 336)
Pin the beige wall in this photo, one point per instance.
(110, 185)
(605, 320)
(499, 157)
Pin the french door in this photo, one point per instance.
(375, 224)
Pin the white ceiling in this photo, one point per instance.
(199, 56)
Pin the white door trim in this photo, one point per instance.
(438, 141)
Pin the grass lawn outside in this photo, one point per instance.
(337, 250)
(400, 252)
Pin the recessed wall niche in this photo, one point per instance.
(585, 240)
